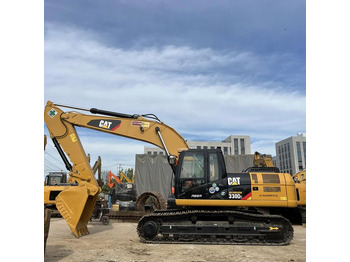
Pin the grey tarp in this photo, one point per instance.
(238, 163)
(153, 172)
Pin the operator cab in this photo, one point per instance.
(200, 174)
(56, 178)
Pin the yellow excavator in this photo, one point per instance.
(126, 178)
(300, 184)
(56, 182)
(97, 167)
(262, 160)
(208, 204)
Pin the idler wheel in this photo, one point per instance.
(150, 229)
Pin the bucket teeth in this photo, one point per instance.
(81, 230)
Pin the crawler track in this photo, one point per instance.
(214, 227)
(132, 216)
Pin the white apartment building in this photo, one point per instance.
(291, 154)
(232, 145)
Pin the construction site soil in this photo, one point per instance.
(119, 241)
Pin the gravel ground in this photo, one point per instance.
(118, 241)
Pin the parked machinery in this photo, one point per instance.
(262, 160)
(57, 181)
(121, 193)
(300, 183)
(209, 205)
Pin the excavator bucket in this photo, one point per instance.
(76, 206)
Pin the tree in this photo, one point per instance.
(104, 176)
(129, 173)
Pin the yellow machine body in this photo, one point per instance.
(262, 193)
(300, 184)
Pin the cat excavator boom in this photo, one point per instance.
(76, 204)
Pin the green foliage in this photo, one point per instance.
(105, 189)
(129, 173)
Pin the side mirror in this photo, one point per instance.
(172, 160)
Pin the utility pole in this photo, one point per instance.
(119, 168)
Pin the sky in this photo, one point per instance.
(209, 69)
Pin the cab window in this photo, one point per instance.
(192, 170)
(54, 180)
(213, 167)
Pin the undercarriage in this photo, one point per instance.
(214, 227)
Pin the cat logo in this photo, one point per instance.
(273, 228)
(234, 181)
(105, 124)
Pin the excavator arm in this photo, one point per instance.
(76, 203)
(262, 160)
(119, 180)
(97, 168)
(110, 176)
(125, 177)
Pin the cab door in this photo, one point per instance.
(191, 175)
(201, 175)
(216, 187)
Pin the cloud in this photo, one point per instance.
(262, 26)
(77, 53)
(203, 93)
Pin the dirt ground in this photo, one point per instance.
(118, 241)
